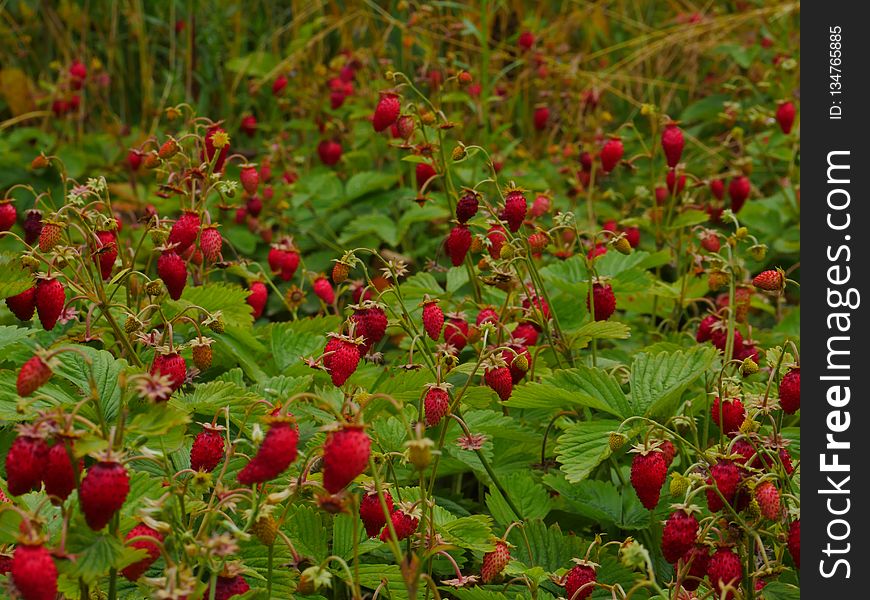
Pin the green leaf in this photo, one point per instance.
(343, 538)
(549, 547)
(96, 554)
(14, 279)
(372, 575)
(580, 386)
(472, 533)
(601, 502)
(366, 182)
(376, 224)
(309, 531)
(105, 369)
(10, 335)
(530, 498)
(583, 446)
(777, 590)
(210, 398)
(256, 64)
(229, 299)
(658, 381)
(290, 341)
(688, 218)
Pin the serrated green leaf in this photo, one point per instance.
(530, 498)
(658, 381)
(366, 182)
(580, 386)
(14, 279)
(230, 300)
(471, 533)
(583, 446)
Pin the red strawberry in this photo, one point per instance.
(227, 587)
(769, 281)
(254, 206)
(107, 251)
(171, 365)
(433, 319)
(405, 126)
(724, 476)
(8, 215)
(669, 451)
(767, 497)
(279, 84)
(137, 569)
(746, 451)
(467, 206)
(731, 413)
(698, 557)
(275, 454)
(77, 70)
(423, 172)
(611, 154)
(586, 161)
(372, 513)
(723, 570)
(515, 207)
(248, 125)
(457, 244)
(785, 116)
(387, 111)
(794, 542)
(49, 236)
(329, 152)
(34, 573)
(648, 474)
(500, 380)
(134, 159)
(436, 403)
(717, 188)
(710, 242)
(526, 334)
(33, 374)
(515, 362)
(738, 191)
(404, 524)
(257, 298)
(323, 290)
(672, 144)
(540, 206)
(705, 328)
(604, 301)
(250, 178)
(596, 251)
(494, 562)
(580, 581)
(211, 243)
(341, 358)
(60, 472)
(632, 234)
(184, 231)
(345, 455)
(32, 226)
(675, 184)
(790, 391)
(486, 315)
(496, 237)
(211, 150)
(371, 324)
(678, 535)
(103, 492)
(173, 271)
(456, 331)
(23, 305)
(540, 117)
(25, 463)
(526, 40)
(207, 450)
(284, 260)
(50, 299)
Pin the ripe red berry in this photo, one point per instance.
(500, 380)
(738, 191)
(728, 415)
(137, 569)
(387, 111)
(32, 226)
(717, 188)
(519, 363)
(372, 513)
(496, 237)
(207, 450)
(211, 243)
(769, 281)
(284, 260)
(323, 290)
(184, 231)
(580, 582)
(767, 497)
(8, 215)
(672, 144)
(785, 116)
(50, 298)
(724, 476)
(669, 451)
(526, 334)
(526, 40)
(494, 562)
(250, 178)
(648, 474)
(340, 357)
(486, 315)
(679, 535)
(705, 328)
(794, 542)
(279, 84)
(173, 271)
(436, 403)
(34, 573)
(25, 463)
(540, 117)
(275, 454)
(371, 324)
(345, 455)
(257, 297)
(423, 172)
(329, 152)
(790, 391)
(710, 242)
(33, 374)
(467, 206)
(59, 475)
(723, 570)
(211, 150)
(134, 159)
(698, 557)
(515, 206)
(675, 184)
(49, 236)
(404, 524)
(106, 252)
(456, 331)
(433, 319)
(248, 125)
(103, 492)
(227, 587)
(457, 244)
(171, 365)
(611, 154)
(604, 301)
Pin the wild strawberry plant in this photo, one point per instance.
(440, 333)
